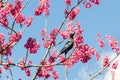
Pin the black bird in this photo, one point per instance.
(68, 45)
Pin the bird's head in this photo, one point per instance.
(72, 34)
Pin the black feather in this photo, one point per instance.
(67, 47)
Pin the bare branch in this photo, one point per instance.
(101, 70)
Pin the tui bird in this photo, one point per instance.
(68, 45)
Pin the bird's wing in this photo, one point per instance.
(67, 45)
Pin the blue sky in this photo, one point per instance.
(103, 19)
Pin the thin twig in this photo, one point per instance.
(60, 42)
(89, 70)
(19, 14)
(8, 27)
(26, 57)
(101, 70)
(11, 74)
(66, 73)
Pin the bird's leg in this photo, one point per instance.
(65, 55)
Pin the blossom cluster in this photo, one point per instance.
(69, 29)
(100, 41)
(88, 4)
(14, 10)
(4, 49)
(49, 40)
(106, 61)
(48, 70)
(68, 2)
(72, 13)
(43, 8)
(113, 43)
(32, 45)
(22, 63)
(15, 37)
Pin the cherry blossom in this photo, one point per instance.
(15, 37)
(32, 45)
(16, 8)
(55, 75)
(113, 43)
(22, 63)
(97, 56)
(73, 14)
(42, 8)
(28, 73)
(52, 56)
(100, 41)
(4, 21)
(6, 51)
(20, 18)
(87, 4)
(95, 1)
(29, 21)
(68, 2)
(114, 65)
(106, 61)
(7, 10)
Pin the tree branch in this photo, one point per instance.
(101, 70)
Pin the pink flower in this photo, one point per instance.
(17, 7)
(4, 21)
(53, 34)
(95, 1)
(42, 8)
(55, 75)
(29, 21)
(73, 14)
(29, 62)
(15, 37)
(113, 43)
(114, 65)
(87, 4)
(78, 40)
(100, 41)
(78, 24)
(10, 61)
(97, 56)
(52, 56)
(61, 58)
(32, 45)
(6, 67)
(28, 73)
(83, 53)
(64, 35)
(7, 51)
(6, 10)
(70, 62)
(20, 18)
(69, 26)
(22, 63)
(45, 73)
(106, 61)
(68, 2)
(47, 41)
